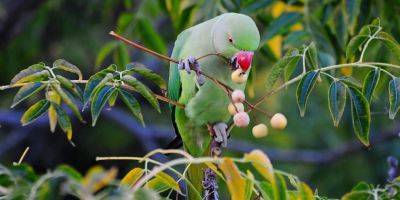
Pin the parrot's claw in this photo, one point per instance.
(189, 64)
(221, 134)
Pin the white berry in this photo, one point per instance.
(241, 119)
(238, 96)
(232, 108)
(238, 76)
(260, 131)
(278, 121)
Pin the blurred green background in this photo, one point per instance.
(327, 158)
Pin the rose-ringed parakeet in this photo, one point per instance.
(232, 36)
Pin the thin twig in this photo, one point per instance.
(22, 157)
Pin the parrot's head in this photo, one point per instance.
(236, 37)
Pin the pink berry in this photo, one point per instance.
(238, 96)
(241, 119)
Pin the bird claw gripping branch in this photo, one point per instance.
(189, 64)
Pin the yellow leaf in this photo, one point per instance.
(236, 184)
(296, 27)
(55, 98)
(278, 8)
(163, 181)
(96, 178)
(305, 192)
(275, 44)
(261, 162)
(132, 177)
(346, 71)
(249, 185)
(215, 169)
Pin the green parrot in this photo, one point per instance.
(232, 36)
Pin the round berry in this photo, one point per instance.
(278, 121)
(232, 108)
(241, 119)
(238, 76)
(238, 96)
(244, 59)
(260, 130)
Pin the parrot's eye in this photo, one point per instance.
(230, 39)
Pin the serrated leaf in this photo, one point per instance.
(26, 91)
(53, 97)
(337, 101)
(394, 97)
(389, 42)
(95, 81)
(360, 114)
(35, 111)
(236, 183)
(70, 86)
(143, 90)
(312, 56)
(132, 104)
(147, 74)
(288, 62)
(304, 89)
(66, 66)
(63, 120)
(99, 100)
(355, 44)
(370, 82)
(35, 77)
(68, 100)
(132, 177)
(28, 71)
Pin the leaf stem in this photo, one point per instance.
(367, 43)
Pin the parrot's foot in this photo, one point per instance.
(189, 64)
(221, 134)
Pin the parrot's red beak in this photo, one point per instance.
(244, 59)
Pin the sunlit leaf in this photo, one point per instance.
(248, 190)
(304, 89)
(147, 74)
(53, 97)
(394, 97)
(35, 77)
(143, 90)
(26, 91)
(132, 177)
(305, 192)
(28, 71)
(280, 187)
(70, 86)
(337, 101)
(35, 111)
(162, 182)
(97, 178)
(370, 82)
(236, 183)
(266, 190)
(113, 98)
(66, 66)
(99, 100)
(360, 114)
(261, 163)
(132, 104)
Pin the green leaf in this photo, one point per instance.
(305, 192)
(162, 182)
(53, 97)
(389, 42)
(304, 89)
(312, 56)
(28, 71)
(99, 100)
(70, 86)
(132, 104)
(150, 37)
(186, 16)
(143, 90)
(249, 185)
(370, 82)
(68, 100)
(95, 81)
(337, 101)
(63, 120)
(351, 81)
(394, 97)
(280, 187)
(35, 77)
(360, 114)
(66, 66)
(147, 74)
(255, 5)
(288, 62)
(35, 111)
(351, 10)
(113, 98)
(26, 91)
(266, 190)
(280, 25)
(106, 50)
(355, 44)
(70, 172)
(145, 194)
(360, 191)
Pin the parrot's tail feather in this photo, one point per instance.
(176, 143)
